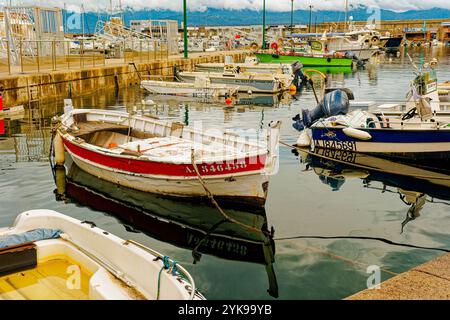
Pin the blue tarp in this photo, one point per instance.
(29, 236)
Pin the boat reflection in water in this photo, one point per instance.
(416, 186)
(190, 225)
(241, 99)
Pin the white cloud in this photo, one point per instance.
(272, 5)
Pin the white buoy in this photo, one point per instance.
(303, 140)
(357, 134)
(58, 145)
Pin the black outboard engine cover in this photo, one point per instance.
(333, 103)
(299, 76)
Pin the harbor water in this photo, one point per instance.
(320, 234)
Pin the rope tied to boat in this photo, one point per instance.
(166, 266)
(213, 200)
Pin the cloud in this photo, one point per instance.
(271, 5)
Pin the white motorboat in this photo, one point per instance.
(46, 255)
(202, 87)
(246, 81)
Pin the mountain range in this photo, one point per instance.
(215, 17)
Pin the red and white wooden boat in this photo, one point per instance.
(158, 156)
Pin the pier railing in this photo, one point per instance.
(23, 56)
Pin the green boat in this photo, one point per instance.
(306, 60)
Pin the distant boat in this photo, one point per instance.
(392, 44)
(251, 64)
(12, 111)
(166, 157)
(307, 60)
(202, 87)
(253, 82)
(46, 255)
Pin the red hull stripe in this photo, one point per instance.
(168, 169)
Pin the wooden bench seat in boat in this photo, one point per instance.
(84, 128)
(177, 149)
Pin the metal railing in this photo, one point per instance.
(24, 56)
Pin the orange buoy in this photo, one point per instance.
(292, 89)
(112, 145)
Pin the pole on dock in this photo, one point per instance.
(310, 17)
(346, 15)
(185, 29)
(292, 15)
(264, 25)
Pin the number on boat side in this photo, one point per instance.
(338, 145)
(204, 169)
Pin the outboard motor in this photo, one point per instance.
(299, 76)
(333, 103)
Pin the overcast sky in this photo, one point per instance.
(273, 5)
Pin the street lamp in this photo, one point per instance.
(264, 25)
(185, 29)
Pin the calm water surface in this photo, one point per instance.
(304, 200)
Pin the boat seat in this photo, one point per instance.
(84, 128)
(145, 145)
(17, 258)
(389, 106)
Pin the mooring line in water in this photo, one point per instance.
(390, 242)
(211, 197)
(344, 259)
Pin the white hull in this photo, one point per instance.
(187, 89)
(247, 186)
(246, 82)
(261, 68)
(230, 166)
(360, 54)
(113, 268)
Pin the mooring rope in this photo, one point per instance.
(390, 242)
(213, 200)
(344, 259)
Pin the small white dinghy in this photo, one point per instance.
(201, 87)
(47, 255)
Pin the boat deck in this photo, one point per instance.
(173, 149)
(47, 281)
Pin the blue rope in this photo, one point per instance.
(166, 266)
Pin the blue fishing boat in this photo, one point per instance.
(417, 130)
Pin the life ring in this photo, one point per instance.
(375, 40)
(254, 47)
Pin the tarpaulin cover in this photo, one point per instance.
(29, 236)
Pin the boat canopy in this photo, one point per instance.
(29, 236)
